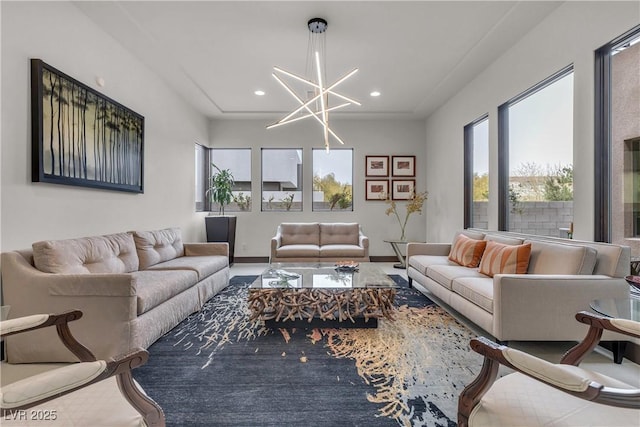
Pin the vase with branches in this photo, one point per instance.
(414, 205)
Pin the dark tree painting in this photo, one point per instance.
(81, 137)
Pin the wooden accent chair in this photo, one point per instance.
(90, 392)
(543, 393)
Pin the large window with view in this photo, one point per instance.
(536, 158)
(332, 180)
(281, 179)
(238, 162)
(476, 164)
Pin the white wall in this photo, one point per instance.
(366, 137)
(59, 34)
(569, 35)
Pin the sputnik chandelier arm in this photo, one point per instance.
(319, 99)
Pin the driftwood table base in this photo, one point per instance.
(353, 306)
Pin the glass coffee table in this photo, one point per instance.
(321, 295)
(622, 308)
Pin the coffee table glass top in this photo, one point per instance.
(322, 276)
(623, 308)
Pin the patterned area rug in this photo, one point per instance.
(217, 368)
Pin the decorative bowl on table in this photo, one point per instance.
(346, 266)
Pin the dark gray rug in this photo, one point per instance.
(218, 369)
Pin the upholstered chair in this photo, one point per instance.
(89, 392)
(540, 393)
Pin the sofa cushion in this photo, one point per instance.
(300, 233)
(478, 290)
(204, 266)
(298, 251)
(560, 258)
(422, 262)
(347, 251)
(339, 233)
(505, 240)
(155, 287)
(466, 251)
(445, 274)
(158, 246)
(505, 259)
(114, 253)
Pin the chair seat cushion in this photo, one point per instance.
(347, 251)
(155, 287)
(295, 251)
(517, 400)
(205, 266)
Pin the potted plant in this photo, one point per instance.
(221, 228)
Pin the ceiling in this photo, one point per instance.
(418, 54)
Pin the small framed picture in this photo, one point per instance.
(377, 165)
(377, 189)
(402, 189)
(403, 165)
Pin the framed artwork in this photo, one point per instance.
(376, 189)
(403, 166)
(81, 137)
(402, 189)
(377, 165)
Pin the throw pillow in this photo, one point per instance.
(467, 251)
(506, 259)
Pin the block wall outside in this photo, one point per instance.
(539, 218)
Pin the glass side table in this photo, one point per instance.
(396, 248)
(623, 308)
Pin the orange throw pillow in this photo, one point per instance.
(467, 251)
(506, 259)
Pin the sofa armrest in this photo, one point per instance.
(206, 249)
(441, 249)
(545, 305)
(363, 241)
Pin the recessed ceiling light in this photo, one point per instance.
(375, 93)
(259, 92)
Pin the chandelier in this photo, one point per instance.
(315, 102)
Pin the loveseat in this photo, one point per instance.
(559, 278)
(132, 287)
(319, 242)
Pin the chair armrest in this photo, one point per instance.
(428, 249)
(36, 321)
(206, 249)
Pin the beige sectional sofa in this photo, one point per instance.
(319, 242)
(562, 277)
(132, 288)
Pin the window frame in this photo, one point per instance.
(468, 169)
(313, 150)
(602, 135)
(503, 142)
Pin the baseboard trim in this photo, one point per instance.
(384, 258)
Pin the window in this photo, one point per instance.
(201, 176)
(281, 179)
(476, 169)
(535, 139)
(617, 141)
(238, 161)
(332, 180)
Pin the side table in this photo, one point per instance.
(396, 248)
(623, 308)
(635, 265)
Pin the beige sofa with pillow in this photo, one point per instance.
(519, 287)
(319, 242)
(132, 288)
